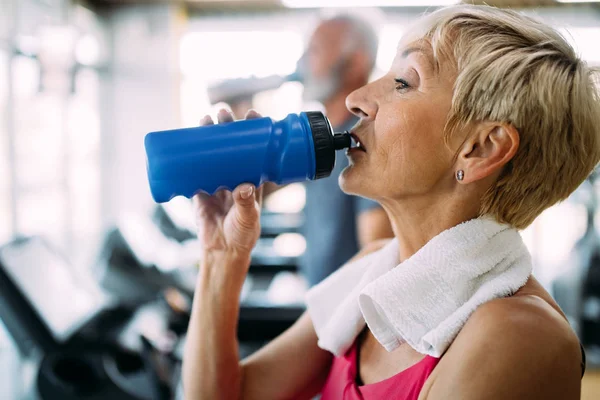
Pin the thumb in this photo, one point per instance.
(244, 197)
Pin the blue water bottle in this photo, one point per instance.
(209, 158)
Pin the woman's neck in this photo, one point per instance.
(415, 222)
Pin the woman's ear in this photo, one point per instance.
(487, 151)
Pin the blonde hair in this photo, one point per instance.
(515, 70)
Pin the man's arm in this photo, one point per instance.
(372, 222)
(516, 348)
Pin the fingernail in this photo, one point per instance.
(247, 191)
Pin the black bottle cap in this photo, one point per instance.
(342, 140)
(324, 143)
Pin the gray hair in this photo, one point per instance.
(361, 35)
(517, 71)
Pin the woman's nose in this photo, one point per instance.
(362, 103)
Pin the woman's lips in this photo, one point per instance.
(357, 144)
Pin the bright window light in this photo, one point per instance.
(289, 245)
(87, 50)
(207, 57)
(366, 3)
(389, 36)
(213, 56)
(180, 210)
(585, 42)
(290, 199)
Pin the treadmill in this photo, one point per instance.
(66, 330)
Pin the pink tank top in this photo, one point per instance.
(406, 385)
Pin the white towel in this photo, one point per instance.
(425, 300)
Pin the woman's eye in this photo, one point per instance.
(401, 84)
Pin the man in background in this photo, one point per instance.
(339, 59)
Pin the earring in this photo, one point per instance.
(460, 175)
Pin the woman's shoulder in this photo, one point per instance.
(529, 320)
(523, 340)
(530, 313)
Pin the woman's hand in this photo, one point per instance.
(229, 222)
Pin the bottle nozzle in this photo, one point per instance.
(342, 140)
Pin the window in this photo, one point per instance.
(39, 150)
(5, 189)
(56, 134)
(83, 153)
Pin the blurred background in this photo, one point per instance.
(82, 82)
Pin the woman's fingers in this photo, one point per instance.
(206, 120)
(224, 116)
(252, 114)
(221, 195)
(246, 210)
(204, 205)
(224, 197)
(220, 223)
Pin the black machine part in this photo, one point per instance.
(77, 358)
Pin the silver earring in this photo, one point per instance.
(460, 175)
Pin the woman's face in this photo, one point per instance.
(403, 115)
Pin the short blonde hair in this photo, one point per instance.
(515, 70)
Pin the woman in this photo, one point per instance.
(485, 119)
